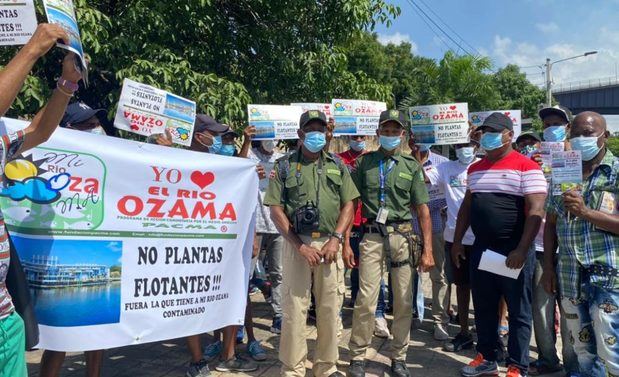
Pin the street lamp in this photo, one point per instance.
(549, 65)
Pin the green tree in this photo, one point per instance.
(516, 92)
(222, 54)
(613, 145)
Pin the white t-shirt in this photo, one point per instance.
(452, 177)
(263, 218)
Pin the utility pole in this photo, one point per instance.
(548, 83)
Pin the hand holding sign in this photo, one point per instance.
(574, 203)
(69, 71)
(44, 38)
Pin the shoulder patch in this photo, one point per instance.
(334, 171)
(405, 176)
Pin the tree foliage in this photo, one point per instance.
(222, 54)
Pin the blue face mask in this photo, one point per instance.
(587, 145)
(216, 147)
(554, 133)
(465, 155)
(356, 145)
(227, 150)
(492, 140)
(315, 141)
(389, 143)
(424, 147)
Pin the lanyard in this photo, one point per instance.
(382, 176)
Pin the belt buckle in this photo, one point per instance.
(315, 235)
(390, 229)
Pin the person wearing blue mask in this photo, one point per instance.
(584, 225)
(310, 195)
(556, 121)
(228, 148)
(207, 135)
(391, 186)
(528, 142)
(430, 161)
(451, 176)
(504, 206)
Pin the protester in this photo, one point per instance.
(584, 224)
(451, 176)
(528, 142)
(391, 186)
(555, 122)
(310, 195)
(357, 148)
(504, 205)
(80, 117)
(268, 238)
(207, 138)
(430, 161)
(12, 333)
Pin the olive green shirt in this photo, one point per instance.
(404, 185)
(336, 188)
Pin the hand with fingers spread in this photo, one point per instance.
(164, 139)
(261, 172)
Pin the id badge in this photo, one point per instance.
(609, 204)
(382, 215)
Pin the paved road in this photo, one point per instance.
(169, 358)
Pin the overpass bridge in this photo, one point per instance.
(599, 95)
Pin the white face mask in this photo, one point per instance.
(97, 131)
(268, 145)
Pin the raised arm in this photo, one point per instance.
(13, 75)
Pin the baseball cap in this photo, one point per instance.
(498, 122)
(532, 134)
(311, 115)
(79, 112)
(560, 111)
(393, 116)
(206, 123)
(230, 132)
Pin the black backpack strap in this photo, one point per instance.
(283, 170)
(339, 162)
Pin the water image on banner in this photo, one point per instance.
(73, 282)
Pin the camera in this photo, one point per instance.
(306, 219)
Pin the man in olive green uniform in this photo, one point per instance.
(391, 186)
(311, 197)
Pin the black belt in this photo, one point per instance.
(601, 270)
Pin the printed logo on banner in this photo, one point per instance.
(178, 200)
(475, 119)
(55, 189)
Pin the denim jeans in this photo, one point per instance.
(593, 323)
(544, 324)
(355, 240)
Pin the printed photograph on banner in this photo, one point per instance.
(19, 22)
(60, 191)
(547, 148)
(72, 282)
(477, 119)
(356, 117)
(277, 122)
(146, 110)
(566, 172)
(440, 124)
(324, 107)
(62, 12)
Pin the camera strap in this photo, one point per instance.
(319, 171)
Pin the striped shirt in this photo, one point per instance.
(498, 190)
(10, 144)
(582, 244)
(437, 196)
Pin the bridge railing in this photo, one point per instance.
(585, 84)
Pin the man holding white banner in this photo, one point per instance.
(310, 195)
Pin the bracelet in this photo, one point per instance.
(63, 91)
(68, 85)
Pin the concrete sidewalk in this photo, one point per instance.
(170, 358)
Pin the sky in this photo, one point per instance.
(521, 32)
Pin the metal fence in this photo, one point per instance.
(585, 84)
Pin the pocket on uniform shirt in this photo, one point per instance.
(403, 182)
(334, 180)
(293, 185)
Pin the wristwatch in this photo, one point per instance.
(339, 236)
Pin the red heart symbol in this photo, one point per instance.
(452, 107)
(202, 179)
(507, 113)
(134, 127)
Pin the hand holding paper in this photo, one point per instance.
(494, 262)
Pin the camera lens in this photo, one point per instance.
(309, 217)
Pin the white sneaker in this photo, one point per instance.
(440, 333)
(381, 329)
